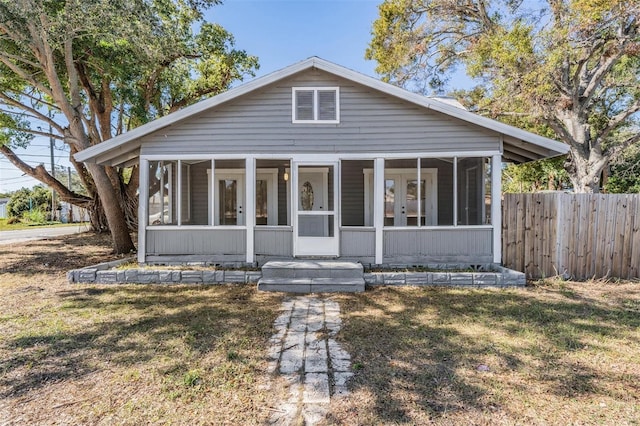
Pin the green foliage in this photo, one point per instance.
(34, 217)
(624, 175)
(91, 69)
(542, 175)
(27, 200)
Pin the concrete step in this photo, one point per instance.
(312, 285)
(311, 269)
(312, 276)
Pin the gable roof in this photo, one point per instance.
(518, 145)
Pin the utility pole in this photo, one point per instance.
(53, 174)
(70, 189)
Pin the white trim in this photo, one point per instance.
(378, 208)
(316, 104)
(329, 157)
(143, 215)
(496, 207)
(249, 204)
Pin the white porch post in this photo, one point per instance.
(378, 207)
(250, 205)
(143, 201)
(496, 206)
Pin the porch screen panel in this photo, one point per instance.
(262, 198)
(355, 202)
(229, 193)
(162, 202)
(271, 192)
(196, 194)
(473, 178)
(444, 189)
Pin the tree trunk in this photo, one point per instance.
(584, 170)
(110, 202)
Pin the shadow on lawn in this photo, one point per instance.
(57, 255)
(414, 348)
(132, 326)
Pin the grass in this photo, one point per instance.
(558, 353)
(131, 354)
(4, 226)
(554, 353)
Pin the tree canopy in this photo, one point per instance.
(83, 71)
(571, 67)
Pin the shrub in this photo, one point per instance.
(35, 216)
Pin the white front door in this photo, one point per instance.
(315, 209)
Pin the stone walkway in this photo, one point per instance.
(304, 351)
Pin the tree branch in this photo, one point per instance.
(8, 100)
(41, 174)
(615, 121)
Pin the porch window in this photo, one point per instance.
(441, 192)
(315, 105)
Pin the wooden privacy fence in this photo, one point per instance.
(578, 236)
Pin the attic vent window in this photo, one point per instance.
(316, 105)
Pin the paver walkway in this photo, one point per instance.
(305, 352)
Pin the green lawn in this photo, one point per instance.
(4, 226)
(559, 353)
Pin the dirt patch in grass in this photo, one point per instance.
(126, 354)
(559, 353)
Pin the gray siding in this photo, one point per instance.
(274, 241)
(438, 245)
(196, 242)
(358, 243)
(370, 121)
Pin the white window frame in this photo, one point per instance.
(316, 106)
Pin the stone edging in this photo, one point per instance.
(105, 274)
(501, 277)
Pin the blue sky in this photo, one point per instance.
(282, 32)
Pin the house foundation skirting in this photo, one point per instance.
(489, 275)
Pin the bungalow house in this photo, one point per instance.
(319, 161)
